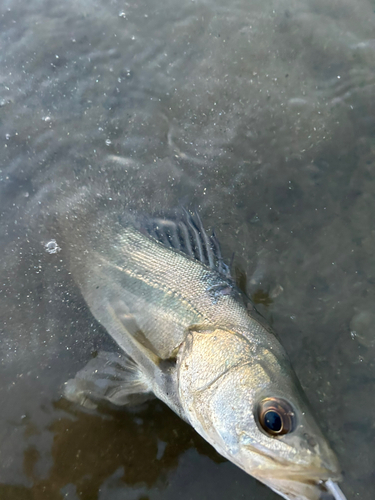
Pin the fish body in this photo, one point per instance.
(193, 340)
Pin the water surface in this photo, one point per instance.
(261, 114)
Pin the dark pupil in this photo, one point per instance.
(272, 420)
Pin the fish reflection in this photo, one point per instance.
(90, 448)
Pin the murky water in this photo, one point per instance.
(259, 113)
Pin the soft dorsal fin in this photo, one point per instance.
(187, 234)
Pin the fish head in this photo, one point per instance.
(244, 398)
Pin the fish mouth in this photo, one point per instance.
(293, 482)
(298, 488)
(316, 480)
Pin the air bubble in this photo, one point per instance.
(52, 247)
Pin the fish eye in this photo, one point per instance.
(276, 416)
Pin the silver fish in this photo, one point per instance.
(193, 340)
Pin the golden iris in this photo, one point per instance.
(276, 416)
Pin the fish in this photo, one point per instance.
(190, 337)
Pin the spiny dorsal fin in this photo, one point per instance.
(187, 234)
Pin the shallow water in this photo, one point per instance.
(262, 115)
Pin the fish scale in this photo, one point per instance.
(187, 280)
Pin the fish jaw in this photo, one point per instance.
(299, 483)
(291, 489)
(313, 477)
(290, 481)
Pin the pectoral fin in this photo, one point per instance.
(111, 377)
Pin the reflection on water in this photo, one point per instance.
(89, 448)
(261, 297)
